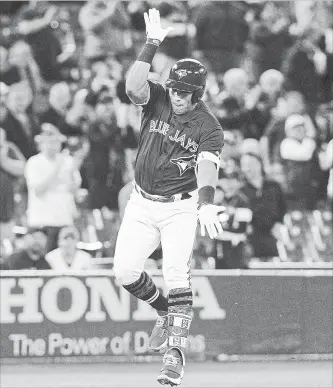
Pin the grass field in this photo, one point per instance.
(204, 375)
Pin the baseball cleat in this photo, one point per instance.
(172, 371)
(159, 337)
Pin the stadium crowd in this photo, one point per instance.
(69, 132)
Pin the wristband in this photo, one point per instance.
(206, 196)
(149, 50)
(154, 41)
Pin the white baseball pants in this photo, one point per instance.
(145, 224)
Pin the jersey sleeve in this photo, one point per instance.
(211, 140)
(210, 145)
(157, 92)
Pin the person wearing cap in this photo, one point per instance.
(267, 203)
(297, 153)
(52, 179)
(67, 255)
(32, 255)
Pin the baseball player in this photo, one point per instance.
(175, 177)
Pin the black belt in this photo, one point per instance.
(162, 198)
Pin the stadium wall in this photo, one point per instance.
(87, 317)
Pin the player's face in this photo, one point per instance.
(181, 101)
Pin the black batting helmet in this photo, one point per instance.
(188, 75)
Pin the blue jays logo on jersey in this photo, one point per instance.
(185, 163)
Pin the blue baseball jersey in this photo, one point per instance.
(169, 144)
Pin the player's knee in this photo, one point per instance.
(126, 275)
(176, 279)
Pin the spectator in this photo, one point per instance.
(52, 179)
(291, 103)
(308, 69)
(267, 203)
(67, 255)
(271, 83)
(268, 40)
(35, 28)
(262, 99)
(106, 29)
(297, 153)
(12, 164)
(106, 155)
(23, 63)
(32, 256)
(220, 34)
(78, 119)
(19, 124)
(60, 113)
(107, 74)
(232, 111)
(230, 246)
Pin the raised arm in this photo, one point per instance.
(137, 87)
(27, 27)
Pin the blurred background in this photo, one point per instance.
(69, 133)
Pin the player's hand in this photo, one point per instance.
(209, 220)
(154, 29)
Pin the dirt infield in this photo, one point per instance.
(205, 375)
